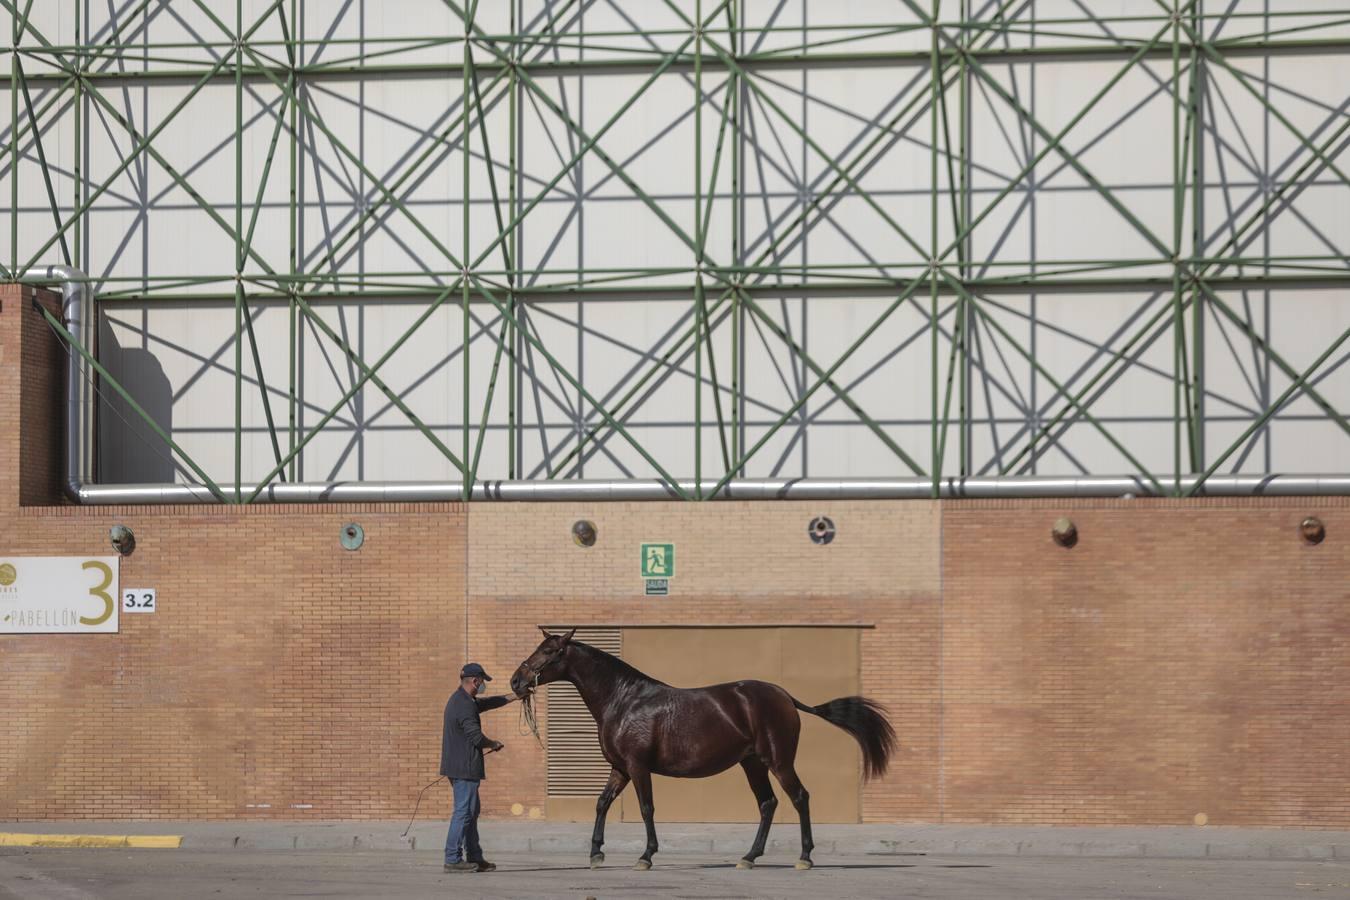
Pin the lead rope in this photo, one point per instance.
(528, 722)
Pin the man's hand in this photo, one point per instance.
(494, 746)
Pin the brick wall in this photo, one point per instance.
(30, 400)
(280, 669)
(735, 564)
(1183, 659)
(41, 393)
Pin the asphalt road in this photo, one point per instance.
(66, 874)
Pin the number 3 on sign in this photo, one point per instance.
(138, 600)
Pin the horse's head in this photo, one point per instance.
(544, 665)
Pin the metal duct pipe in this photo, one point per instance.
(743, 489)
(81, 318)
(77, 308)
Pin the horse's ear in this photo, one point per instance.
(568, 637)
(545, 631)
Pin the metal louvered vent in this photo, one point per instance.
(576, 767)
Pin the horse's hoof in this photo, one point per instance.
(597, 860)
(804, 864)
(745, 864)
(642, 865)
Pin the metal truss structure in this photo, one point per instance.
(707, 239)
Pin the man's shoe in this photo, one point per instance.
(485, 866)
(464, 866)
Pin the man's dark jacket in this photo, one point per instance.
(462, 738)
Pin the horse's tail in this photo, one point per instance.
(864, 719)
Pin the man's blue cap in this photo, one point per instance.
(474, 670)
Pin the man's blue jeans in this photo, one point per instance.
(463, 831)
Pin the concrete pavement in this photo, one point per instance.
(729, 842)
(80, 874)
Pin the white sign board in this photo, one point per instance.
(58, 594)
(138, 600)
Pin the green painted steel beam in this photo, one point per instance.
(367, 374)
(957, 52)
(1080, 409)
(1297, 386)
(107, 378)
(538, 345)
(393, 293)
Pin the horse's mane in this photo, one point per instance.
(620, 669)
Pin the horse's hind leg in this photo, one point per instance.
(758, 776)
(613, 788)
(642, 783)
(792, 786)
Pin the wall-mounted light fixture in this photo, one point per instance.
(820, 530)
(584, 533)
(1312, 530)
(122, 539)
(352, 536)
(1064, 532)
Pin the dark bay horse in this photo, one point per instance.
(649, 728)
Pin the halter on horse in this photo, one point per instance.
(649, 728)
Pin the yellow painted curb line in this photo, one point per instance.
(143, 841)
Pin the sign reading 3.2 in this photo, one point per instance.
(138, 600)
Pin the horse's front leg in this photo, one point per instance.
(642, 783)
(613, 788)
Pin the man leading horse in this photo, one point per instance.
(647, 727)
(462, 747)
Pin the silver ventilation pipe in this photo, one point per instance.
(742, 489)
(81, 319)
(77, 309)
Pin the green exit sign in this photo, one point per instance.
(658, 560)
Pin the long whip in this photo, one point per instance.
(419, 804)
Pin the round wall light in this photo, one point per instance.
(352, 536)
(1064, 532)
(122, 539)
(1312, 530)
(584, 533)
(820, 530)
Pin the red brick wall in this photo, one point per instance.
(30, 398)
(280, 669)
(41, 393)
(736, 564)
(1184, 658)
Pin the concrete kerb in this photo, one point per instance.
(624, 839)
